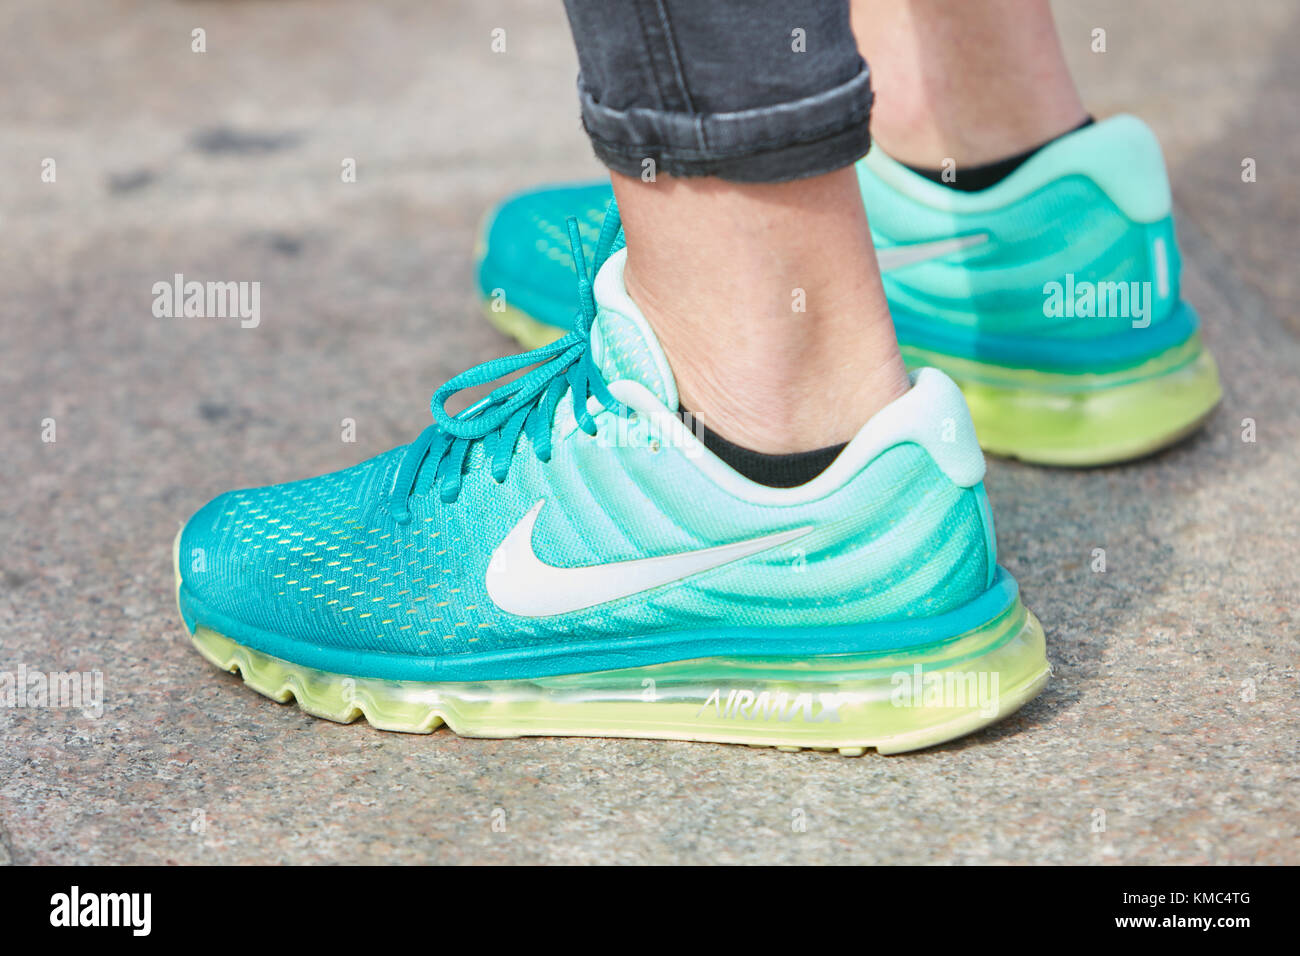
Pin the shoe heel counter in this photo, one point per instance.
(971, 513)
(909, 539)
(1123, 157)
(939, 420)
(945, 431)
(1134, 175)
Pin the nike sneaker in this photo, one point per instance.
(565, 557)
(1051, 298)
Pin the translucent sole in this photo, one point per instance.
(887, 702)
(1082, 420)
(1041, 417)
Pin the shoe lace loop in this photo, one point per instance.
(525, 405)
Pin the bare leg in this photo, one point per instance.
(971, 81)
(722, 271)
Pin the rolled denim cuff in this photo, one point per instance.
(769, 144)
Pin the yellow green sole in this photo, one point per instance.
(1050, 418)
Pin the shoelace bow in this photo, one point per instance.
(526, 405)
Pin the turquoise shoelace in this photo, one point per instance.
(524, 406)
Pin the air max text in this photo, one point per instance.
(765, 705)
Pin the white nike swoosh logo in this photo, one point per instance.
(519, 582)
(896, 257)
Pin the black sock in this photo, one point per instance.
(775, 471)
(974, 178)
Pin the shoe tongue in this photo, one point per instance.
(622, 343)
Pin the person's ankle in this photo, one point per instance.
(970, 83)
(777, 418)
(781, 389)
(918, 138)
(768, 303)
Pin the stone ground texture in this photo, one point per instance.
(1173, 710)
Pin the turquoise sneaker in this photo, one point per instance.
(566, 558)
(1052, 298)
